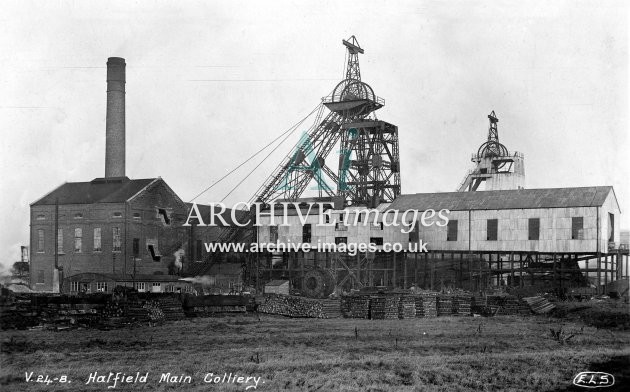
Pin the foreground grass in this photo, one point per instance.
(447, 353)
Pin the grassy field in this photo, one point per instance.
(446, 354)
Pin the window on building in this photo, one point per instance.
(577, 228)
(59, 240)
(40, 240)
(40, 276)
(306, 233)
(116, 239)
(78, 239)
(339, 226)
(152, 247)
(41, 217)
(164, 215)
(136, 247)
(492, 229)
(78, 215)
(117, 215)
(199, 250)
(341, 240)
(359, 216)
(378, 241)
(376, 226)
(97, 239)
(273, 234)
(101, 287)
(451, 230)
(413, 234)
(74, 287)
(611, 227)
(141, 287)
(534, 229)
(136, 215)
(327, 217)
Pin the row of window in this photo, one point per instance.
(307, 230)
(492, 231)
(378, 241)
(162, 213)
(78, 240)
(533, 229)
(77, 287)
(79, 215)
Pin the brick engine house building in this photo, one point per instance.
(107, 225)
(130, 229)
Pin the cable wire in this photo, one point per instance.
(271, 152)
(289, 131)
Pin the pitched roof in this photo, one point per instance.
(99, 190)
(91, 276)
(276, 283)
(503, 200)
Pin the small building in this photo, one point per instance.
(277, 287)
(106, 283)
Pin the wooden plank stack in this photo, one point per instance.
(208, 305)
(171, 307)
(331, 308)
(198, 311)
(384, 307)
(406, 307)
(539, 305)
(444, 305)
(355, 306)
(462, 305)
(426, 304)
(499, 305)
(291, 306)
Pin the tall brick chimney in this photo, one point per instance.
(115, 120)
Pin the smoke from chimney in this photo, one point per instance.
(115, 119)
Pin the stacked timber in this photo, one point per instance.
(444, 305)
(291, 306)
(384, 307)
(462, 305)
(171, 307)
(137, 312)
(331, 308)
(539, 305)
(406, 307)
(113, 309)
(208, 305)
(426, 304)
(54, 312)
(18, 314)
(200, 311)
(494, 305)
(355, 306)
(153, 310)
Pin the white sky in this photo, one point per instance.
(555, 73)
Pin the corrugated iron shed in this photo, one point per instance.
(594, 196)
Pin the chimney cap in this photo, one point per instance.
(116, 60)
